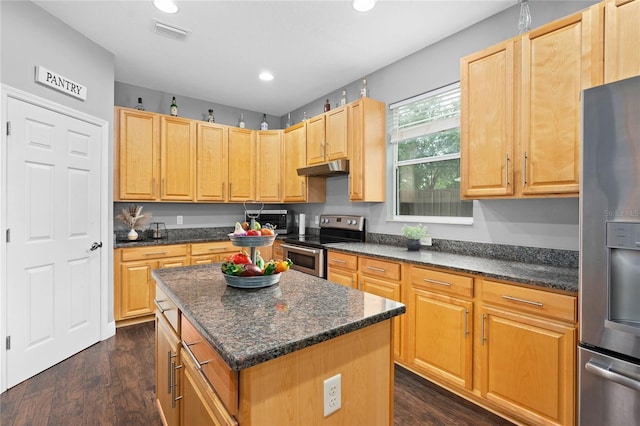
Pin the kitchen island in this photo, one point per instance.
(271, 349)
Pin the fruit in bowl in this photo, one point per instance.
(240, 265)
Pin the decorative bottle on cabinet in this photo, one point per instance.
(210, 117)
(364, 91)
(241, 122)
(140, 107)
(174, 107)
(288, 120)
(343, 98)
(327, 106)
(264, 125)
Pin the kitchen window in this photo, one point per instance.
(425, 133)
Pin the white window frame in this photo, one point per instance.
(425, 129)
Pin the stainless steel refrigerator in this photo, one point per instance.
(609, 315)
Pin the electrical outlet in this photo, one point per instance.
(316, 220)
(332, 394)
(179, 220)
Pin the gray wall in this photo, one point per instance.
(31, 36)
(127, 95)
(551, 223)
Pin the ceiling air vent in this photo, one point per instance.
(170, 31)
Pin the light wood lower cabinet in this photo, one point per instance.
(214, 252)
(342, 269)
(507, 347)
(134, 289)
(167, 376)
(383, 278)
(441, 341)
(529, 358)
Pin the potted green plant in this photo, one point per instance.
(414, 234)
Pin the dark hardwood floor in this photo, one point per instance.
(112, 383)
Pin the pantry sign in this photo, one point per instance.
(58, 82)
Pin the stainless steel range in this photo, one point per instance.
(309, 253)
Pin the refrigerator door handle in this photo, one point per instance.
(606, 373)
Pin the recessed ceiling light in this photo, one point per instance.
(363, 5)
(166, 6)
(265, 76)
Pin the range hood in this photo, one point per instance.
(335, 167)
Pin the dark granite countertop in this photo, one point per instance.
(551, 277)
(250, 326)
(207, 236)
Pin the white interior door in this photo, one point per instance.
(53, 214)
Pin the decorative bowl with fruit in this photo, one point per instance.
(239, 270)
(252, 235)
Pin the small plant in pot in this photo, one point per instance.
(414, 234)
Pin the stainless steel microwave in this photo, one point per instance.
(283, 220)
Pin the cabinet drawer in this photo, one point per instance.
(213, 247)
(530, 300)
(442, 282)
(155, 252)
(343, 260)
(223, 380)
(380, 268)
(168, 309)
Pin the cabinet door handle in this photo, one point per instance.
(339, 261)
(170, 365)
(192, 355)
(524, 169)
(157, 303)
(528, 302)
(230, 190)
(153, 187)
(162, 190)
(174, 398)
(506, 171)
(156, 253)
(466, 315)
(483, 338)
(223, 191)
(446, 284)
(373, 268)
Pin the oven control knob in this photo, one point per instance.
(351, 222)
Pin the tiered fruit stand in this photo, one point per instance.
(252, 242)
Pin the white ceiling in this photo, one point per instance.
(312, 47)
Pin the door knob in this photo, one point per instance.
(96, 246)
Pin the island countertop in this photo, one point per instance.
(250, 326)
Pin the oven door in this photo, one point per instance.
(305, 259)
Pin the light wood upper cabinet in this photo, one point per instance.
(177, 158)
(211, 162)
(520, 117)
(315, 140)
(299, 188)
(295, 150)
(242, 164)
(269, 166)
(336, 138)
(621, 39)
(559, 60)
(367, 150)
(137, 168)
(488, 122)
(327, 136)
